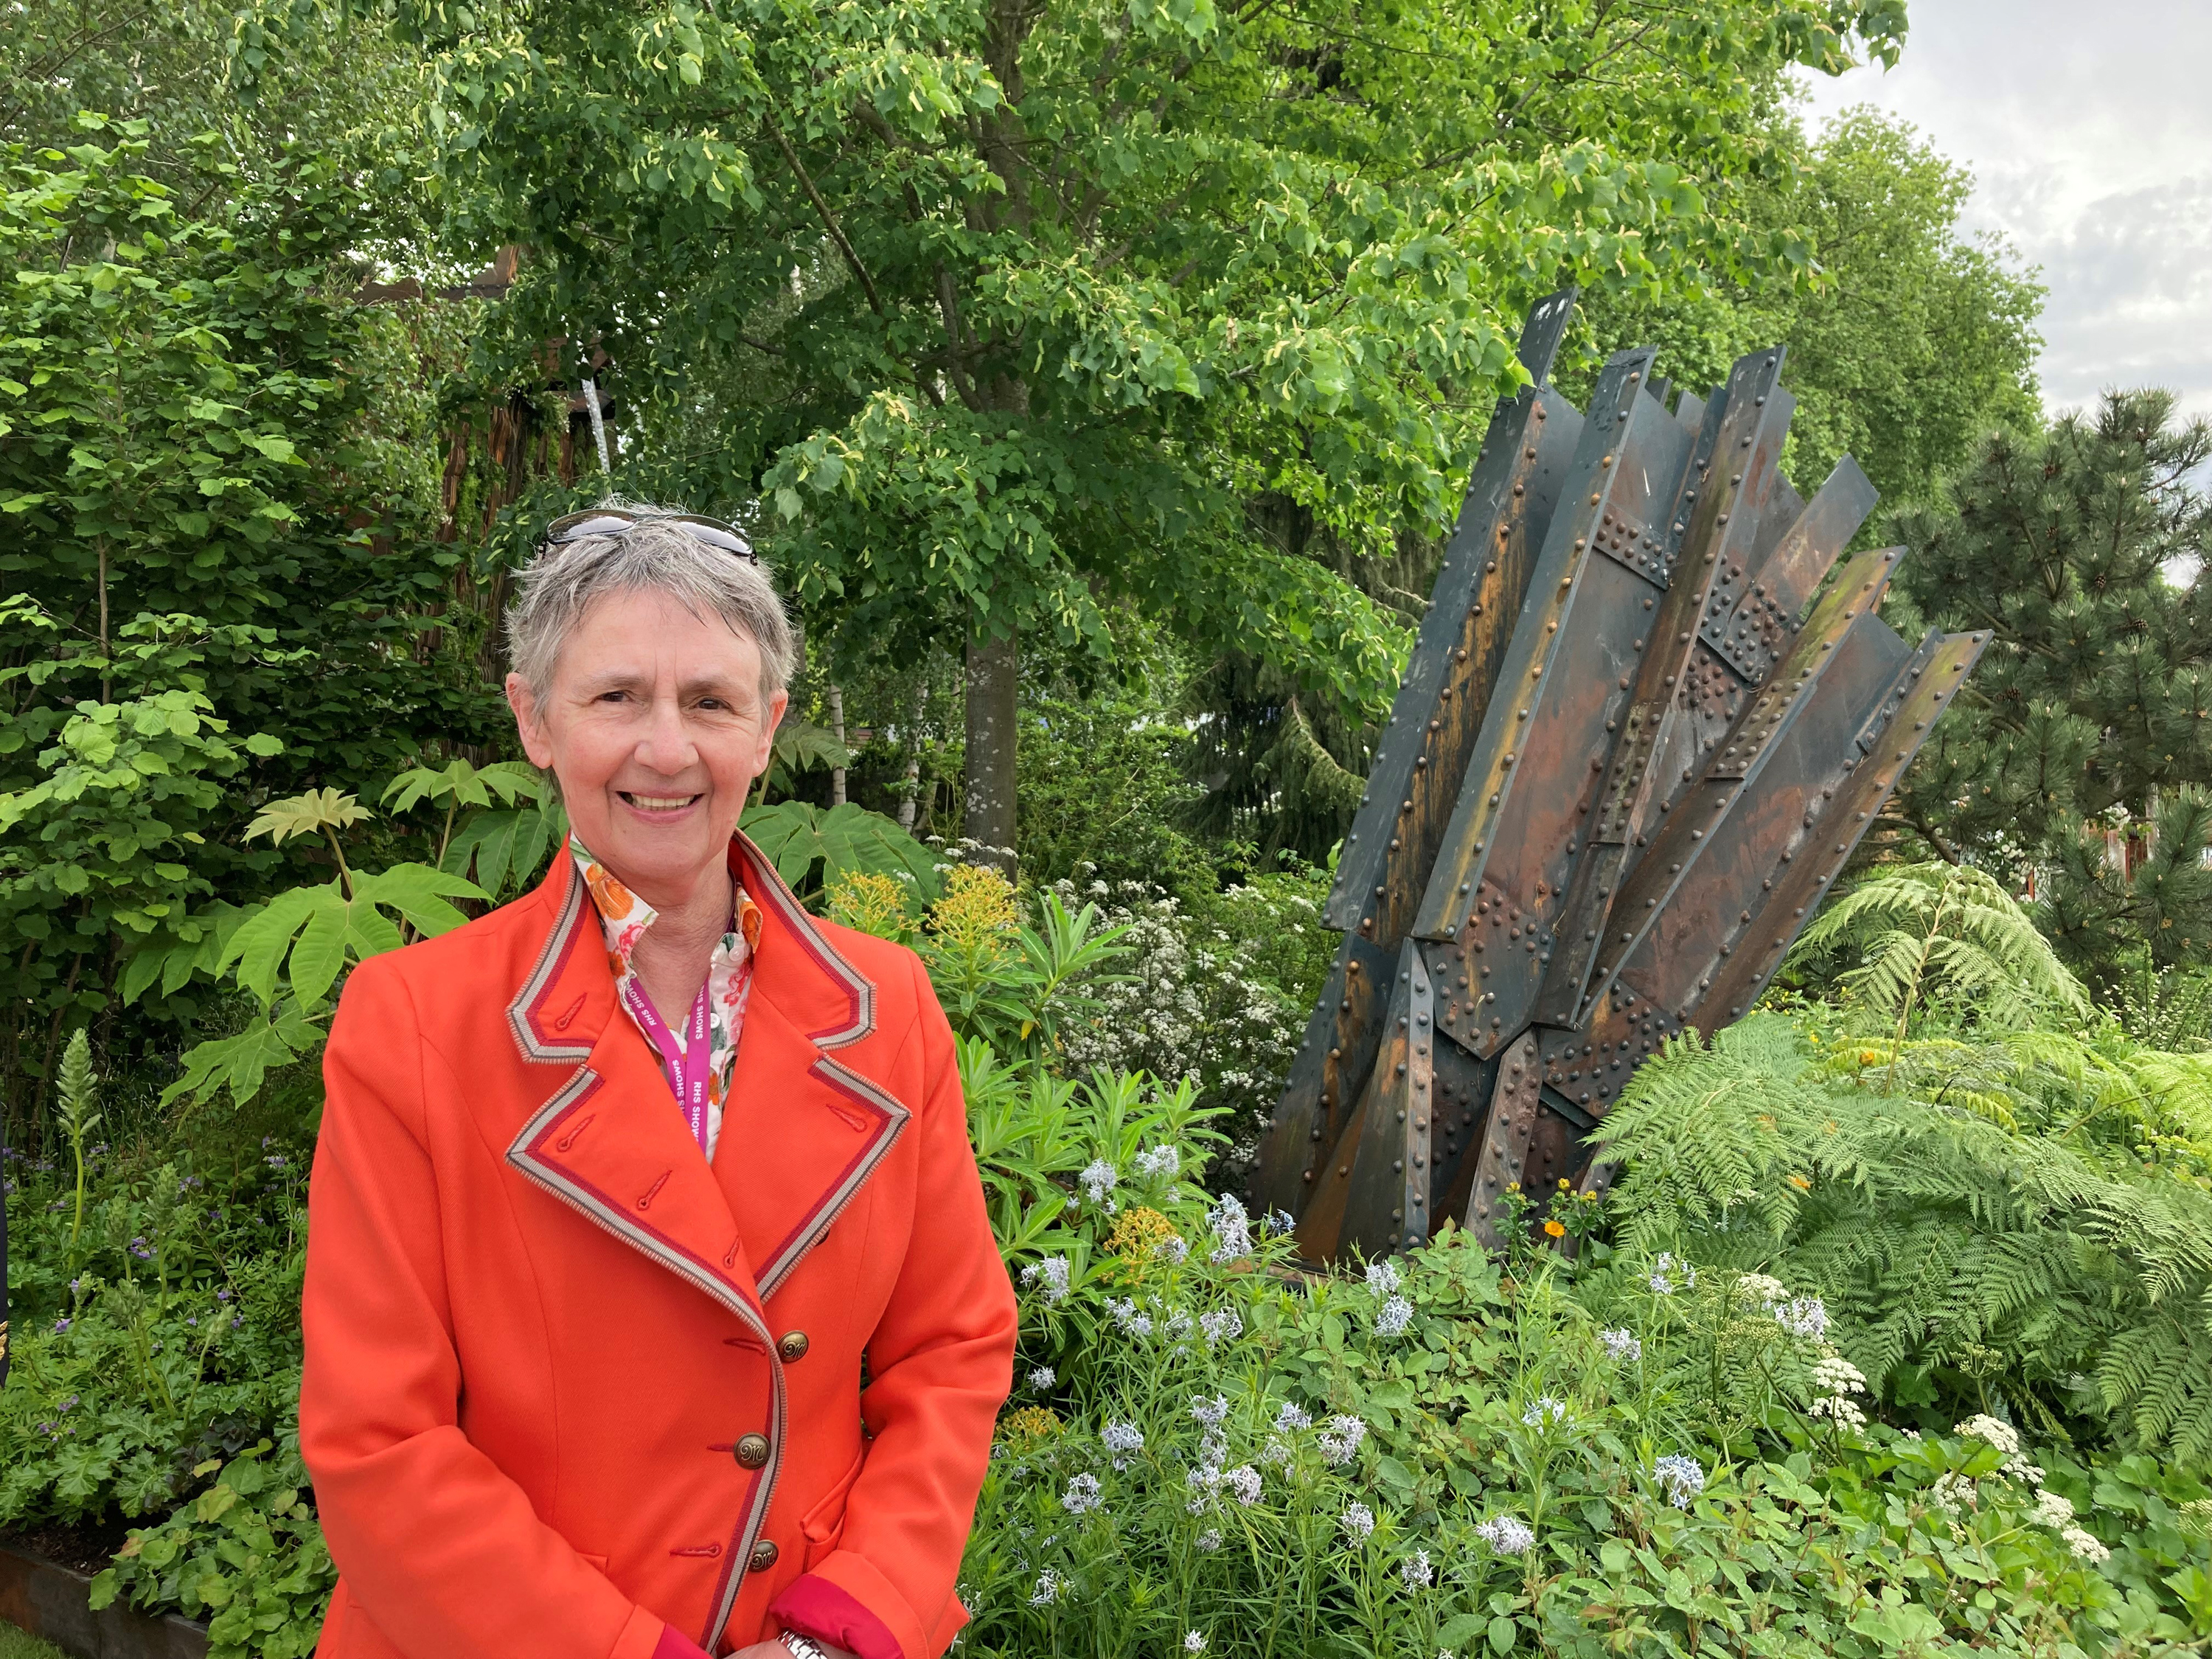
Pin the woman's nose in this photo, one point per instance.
(665, 746)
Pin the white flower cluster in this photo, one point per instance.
(1996, 1432)
(1681, 1478)
(1838, 1380)
(1805, 1316)
(1339, 1441)
(1384, 1277)
(1220, 1326)
(1232, 1230)
(2054, 1508)
(1161, 1163)
(1082, 1495)
(1546, 1411)
(1099, 1179)
(1620, 1345)
(1357, 1520)
(1193, 1007)
(1506, 1535)
(1416, 1571)
(1050, 1587)
(2084, 1546)
(1193, 1643)
(1208, 1542)
(1291, 1419)
(1666, 1270)
(1245, 1484)
(1950, 1491)
(1392, 1318)
(1124, 1440)
(1760, 1291)
(1127, 1316)
(1050, 1275)
(1042, 1377)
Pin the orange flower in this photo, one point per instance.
(613, 898)
(1555, 1229)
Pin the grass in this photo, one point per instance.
(20, 1644)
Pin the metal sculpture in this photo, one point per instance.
(1625, 765)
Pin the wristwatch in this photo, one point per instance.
(803, 1647)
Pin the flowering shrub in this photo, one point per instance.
(1218, 995)
(1645, 1458)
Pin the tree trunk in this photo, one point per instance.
(993, 672)
(837, 729)
(910, 795)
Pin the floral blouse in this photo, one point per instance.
(624, 917)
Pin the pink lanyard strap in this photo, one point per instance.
(686, 1068)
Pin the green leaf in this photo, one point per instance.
(795, 837)
(241, 1063)
(1502, 1631)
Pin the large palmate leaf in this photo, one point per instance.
(460, 784)
(315, 929)
(798, 838)
(506, 847)
(241, 1063)
(801, 747)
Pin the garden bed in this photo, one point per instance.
(52, 1602)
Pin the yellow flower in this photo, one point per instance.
(1869, 1057)
(874, 903)
(978, 911)
(1138, 1236)
(1555, 1229)
(1027, 1423)
(1512, 1186)
(1802, 1183)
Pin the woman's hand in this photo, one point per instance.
(777, 1650)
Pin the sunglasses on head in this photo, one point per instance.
(620, 521)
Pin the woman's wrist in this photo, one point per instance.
(803, 1646)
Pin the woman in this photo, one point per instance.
(651, 1304)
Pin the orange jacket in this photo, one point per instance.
(573, 1393)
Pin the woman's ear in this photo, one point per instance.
(537, 742)
(776, 706)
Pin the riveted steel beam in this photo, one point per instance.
(1584, 628)
(1413, 780)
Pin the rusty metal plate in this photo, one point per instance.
(1330, 1070)
(1637, 748)
(1755, 635)
(1928, 683)
(1503, 1154)
(1353, 1191)
(1583, 632)
(1668, 872)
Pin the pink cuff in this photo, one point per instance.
(673, 1646)
(814, 1607)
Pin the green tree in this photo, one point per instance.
(2083, 550)
(217, 485)
(1911, 342)
(1052, 295)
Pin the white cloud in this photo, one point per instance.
(2091, 146)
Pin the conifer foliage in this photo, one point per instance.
(2083, 550)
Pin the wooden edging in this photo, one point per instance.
(53, 1604)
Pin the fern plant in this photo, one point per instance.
(2029, 1263)
(1936, 932)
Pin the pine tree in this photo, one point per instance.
(2083, 550)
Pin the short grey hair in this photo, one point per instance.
(562, 582)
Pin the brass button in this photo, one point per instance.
(764, 1554)
(792, 1346)
(752, 1451)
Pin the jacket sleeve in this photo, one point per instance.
(941, 1363)
(439, 1548)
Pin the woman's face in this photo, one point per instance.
(654, 725)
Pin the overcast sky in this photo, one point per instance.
(2088, 131)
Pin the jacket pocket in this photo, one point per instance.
(822, 1527)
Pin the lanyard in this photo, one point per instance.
(687, 1066)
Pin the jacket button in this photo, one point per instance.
(764, 1557)
(752, 1451)
(792, 1346)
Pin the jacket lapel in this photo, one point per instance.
(801, 1132)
